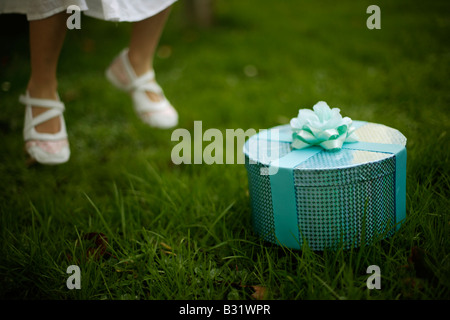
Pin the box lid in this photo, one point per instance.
(263, 149)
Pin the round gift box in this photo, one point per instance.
(329, 199)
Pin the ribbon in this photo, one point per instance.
(287, 230)
(321, 126)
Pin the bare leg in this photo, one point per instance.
(46, 40)
(144, 40)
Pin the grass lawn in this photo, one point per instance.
(184, 231)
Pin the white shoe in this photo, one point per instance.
(159, 114)
(45, 148)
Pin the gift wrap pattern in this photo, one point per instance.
(327, 199)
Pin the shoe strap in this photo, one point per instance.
(126, 63)
(135, 81)
(152, 106)
(45, 116)
(46, 103)
(145, 83)
(55, 109)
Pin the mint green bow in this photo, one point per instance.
(324, 127)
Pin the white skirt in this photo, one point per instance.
(109, 10)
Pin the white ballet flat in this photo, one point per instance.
(160, 114)
(45, 148)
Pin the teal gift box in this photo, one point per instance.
(327, 199)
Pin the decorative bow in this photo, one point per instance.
(324, 127)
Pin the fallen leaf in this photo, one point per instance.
(418, 259)
(260, 292)
(99, 250)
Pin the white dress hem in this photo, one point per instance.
(108, 10)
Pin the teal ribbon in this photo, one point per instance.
(287, 230)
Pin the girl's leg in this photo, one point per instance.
(148, 98)
(144, 40)
(46, 40)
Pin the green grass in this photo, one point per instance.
(184, 232)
